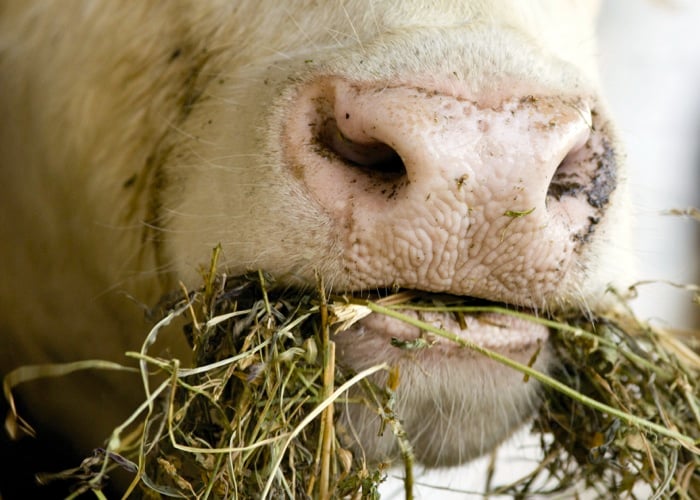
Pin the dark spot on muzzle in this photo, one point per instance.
(604, 181)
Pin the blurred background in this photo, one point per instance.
(650, 70)
(650, 66)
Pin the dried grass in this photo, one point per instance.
(255, 419)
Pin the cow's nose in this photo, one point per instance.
(449, 193)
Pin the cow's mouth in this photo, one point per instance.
(499, 326)
(472, 400)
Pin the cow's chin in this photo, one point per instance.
(454, 404)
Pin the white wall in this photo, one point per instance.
(650, 61)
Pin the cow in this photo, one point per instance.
(447, 147)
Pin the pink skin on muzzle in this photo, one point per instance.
(435, 192)
(440, 192)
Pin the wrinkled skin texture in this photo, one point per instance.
(461, 148)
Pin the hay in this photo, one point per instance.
(254, 418)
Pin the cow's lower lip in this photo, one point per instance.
(499, 332)
(481, 323)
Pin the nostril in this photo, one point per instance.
(567, 180)
(574, 172)
(349, 144)
(374, 156)
(586, 177)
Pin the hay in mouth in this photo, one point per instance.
(254, 416)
